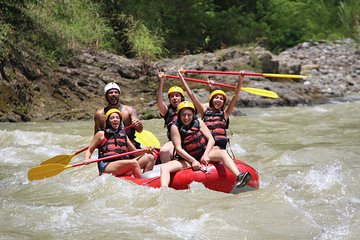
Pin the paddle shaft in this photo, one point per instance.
(246, 74)
(256, 91)
(81, 150)
(66, 158)
(52, 169)
(144, 150)
(202, 81)
(85, 148)
(110, 157)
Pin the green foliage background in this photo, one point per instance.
(153, 29)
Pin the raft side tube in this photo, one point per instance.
(153, 173)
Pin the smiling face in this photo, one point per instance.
(114, 120)
(112, 96)
(218, 101)
(175, 98)
(186, 116)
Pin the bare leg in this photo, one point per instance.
(216, 148)
(147, 162)
(166, 152)
(121, 167)
(170, 167)
(221, 155)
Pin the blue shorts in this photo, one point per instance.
(101, 166)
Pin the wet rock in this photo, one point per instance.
(332, 70)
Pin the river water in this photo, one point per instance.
(308, 159)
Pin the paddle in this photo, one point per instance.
(63, 158)
(145, 138)
(52, 169)
(271, 75)
(256, 91)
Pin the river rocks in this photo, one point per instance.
(331, 67)
(332, 70)
(74, 90)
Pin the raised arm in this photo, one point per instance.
(199, 107)
(159, 100)
(232, 103)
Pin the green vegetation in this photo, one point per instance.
(68, 25)
(75, 23)
(149, 30)
(349, 14)
(142, 42)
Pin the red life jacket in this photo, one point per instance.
(192, 139)
(114, 143)
(130, 132)
(217, 124)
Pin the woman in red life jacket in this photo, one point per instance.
(214, 113)
(112, 140)
(194, 144)
(168, 112)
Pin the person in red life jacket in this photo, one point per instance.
(194, 144)
(112, 94)
(168, 112)
(112, 140)
(214, 113)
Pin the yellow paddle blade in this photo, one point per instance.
(45, 171)
(261, 92)
(283, 75)
(147, 139)
(63, 158)
(60, 159)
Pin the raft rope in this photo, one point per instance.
(151, 180)
(232, 155)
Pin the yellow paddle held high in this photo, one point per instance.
(269, 75)
(256, 91)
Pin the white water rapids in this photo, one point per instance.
(308, 159)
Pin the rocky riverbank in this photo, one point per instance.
(30, 91)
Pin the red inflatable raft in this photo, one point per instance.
(217, 178)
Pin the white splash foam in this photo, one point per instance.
(323, 179)
(265, 114)
(30, 138)
(188, 229)
(237, 149)
(320, 109)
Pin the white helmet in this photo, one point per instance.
(111, 85)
